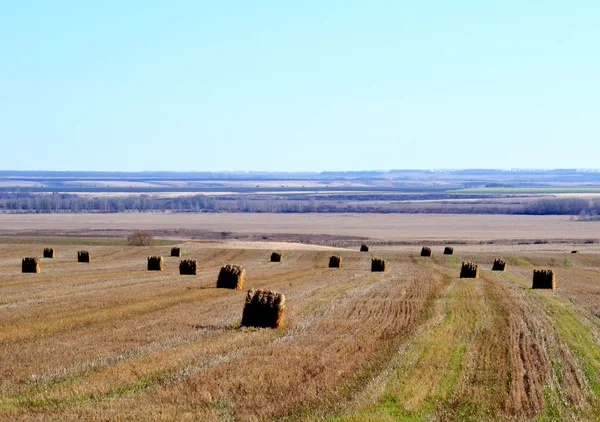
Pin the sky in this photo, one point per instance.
(237, 85)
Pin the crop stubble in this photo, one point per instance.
(112, 340)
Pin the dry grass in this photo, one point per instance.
(110, 340)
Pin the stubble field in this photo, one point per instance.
(376, 227)
(109, 340)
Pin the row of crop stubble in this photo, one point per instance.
(117, 340)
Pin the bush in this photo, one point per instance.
(140, 239)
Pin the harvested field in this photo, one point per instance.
(110, 340)
(390, 227)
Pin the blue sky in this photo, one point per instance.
(306, 85)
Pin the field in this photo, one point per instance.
(109, 340)
(400, 228)
(525, 192)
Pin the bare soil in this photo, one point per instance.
(379, 227)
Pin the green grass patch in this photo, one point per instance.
(567, 263)
(495, 191)
(452, 260)
(519, 261)
(399, 386)
(579, 330)
(450, 378)
(578, 336)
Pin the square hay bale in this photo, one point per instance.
(231, 277)
(155, 263)
(30, 265)
(364, 248)
(176, 252)
(544, 279)
(263, 308)
(48, 253)
(188, 267)
(499, 265)
(426, 251)
(377, 265)
(335, 261)
(469, 270)
(275, 257)
(448, 250)
(83, 256)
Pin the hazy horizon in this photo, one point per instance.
(5, 172)
(299, 87)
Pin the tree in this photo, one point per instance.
(140, 239)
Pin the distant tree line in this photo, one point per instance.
(70, 203)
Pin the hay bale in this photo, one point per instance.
(176, 252)
(83, 256)
(377, 265)
(335, 261)
(469, 270)
(544, 279)
(448, 250)
(364, 248)
(155, 263)
(275, 257)
(499, 265)
(263, 308)
(188, 267)
(426, 251)
(231, 277)
(30, 265)
(48, 253)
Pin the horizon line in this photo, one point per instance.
(382, 171)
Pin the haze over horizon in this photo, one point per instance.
(9, 172)
(273, 86)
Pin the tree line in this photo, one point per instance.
(70, 203)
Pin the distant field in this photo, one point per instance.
(525, 191)
(381, 227)
(109, 340)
